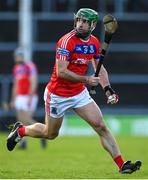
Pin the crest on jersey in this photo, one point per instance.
(85, 49)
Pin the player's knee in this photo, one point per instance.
(100, 127)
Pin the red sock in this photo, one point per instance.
(21, 131)
(119, 161)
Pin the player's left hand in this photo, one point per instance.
(112, 99)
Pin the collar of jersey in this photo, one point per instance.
(84, 40)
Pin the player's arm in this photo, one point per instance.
(105, 83)
(33, 84)
(33, 88)
(13, 93)
(112, 97)
(104, 80)
(65, 73)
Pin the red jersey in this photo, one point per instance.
(22, 73)
(79, 54)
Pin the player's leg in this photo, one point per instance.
(24, 114)
(20, 105)
(52, 124)
(21, 116)
(49, 130)
(92, 115)
(23, 111)
(24, 117)
(90, 112)
(31, 113)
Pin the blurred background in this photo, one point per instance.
(38, 24)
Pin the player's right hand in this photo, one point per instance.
(93, 81)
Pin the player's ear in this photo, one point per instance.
(93, 26)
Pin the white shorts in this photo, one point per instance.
(21, 103)
(55, 106)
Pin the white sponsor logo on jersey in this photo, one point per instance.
(81, 61)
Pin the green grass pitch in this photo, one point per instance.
(71, 158)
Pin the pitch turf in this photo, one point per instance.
(71, 157)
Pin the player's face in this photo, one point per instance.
(82, 25)
(19, 59)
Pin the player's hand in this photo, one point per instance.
(93, 81)
(112, 99)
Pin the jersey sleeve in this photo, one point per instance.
(63, 49)
(32, 69)
(98, 49)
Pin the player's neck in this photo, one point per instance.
(85, 39)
